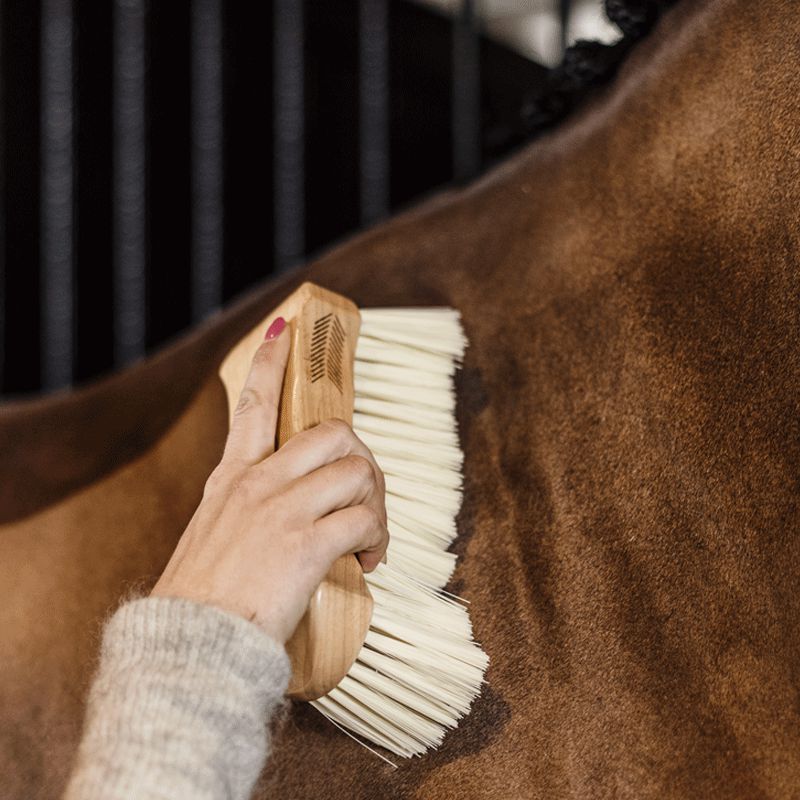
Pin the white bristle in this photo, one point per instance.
(375, 350)
(417, 415)
(430, 564)
(443, 498)
(414, 396)
(419, 669)
(437, 454)
(383, 426)
(423, 520)
(404, 376)
(447, 477)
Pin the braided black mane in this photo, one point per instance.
(586, 65)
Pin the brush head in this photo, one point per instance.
(419, 669)
(413, 669)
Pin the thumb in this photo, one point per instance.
(252, 435)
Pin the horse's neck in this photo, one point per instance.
(692, 150)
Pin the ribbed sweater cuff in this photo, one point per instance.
(179, 705)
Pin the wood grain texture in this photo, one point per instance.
(318, 385)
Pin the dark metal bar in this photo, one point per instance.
(3, 222)
(289, 133)
(466, 133)
(564, 9)
(207, 164)
(130, 241)
(57, 194)
(373, 38)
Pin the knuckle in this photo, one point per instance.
(248, 399)
(366, 519)
(279, 508)
(338, 429)
(360, 468)
(220, 477)
(246, 486)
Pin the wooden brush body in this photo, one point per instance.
(318, 385)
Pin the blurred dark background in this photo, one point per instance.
(159, 158)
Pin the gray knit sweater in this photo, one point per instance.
(179, 705)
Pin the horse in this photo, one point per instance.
(628, 406)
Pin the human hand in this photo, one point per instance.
(271, 524)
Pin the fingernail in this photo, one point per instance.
(274, 330)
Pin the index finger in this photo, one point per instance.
(252, 435)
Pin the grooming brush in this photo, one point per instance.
(388, 656)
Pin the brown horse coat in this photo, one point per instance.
(629, 411)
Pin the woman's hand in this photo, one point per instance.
(271, 524)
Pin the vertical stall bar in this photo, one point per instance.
(466, 129)
(3, 223)
(289, 133)
(564, 8)
(129, 164)
(57, 194)
(373, 109)
(207, 163)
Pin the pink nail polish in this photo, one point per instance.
(274, 330)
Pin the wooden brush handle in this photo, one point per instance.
(318, 385)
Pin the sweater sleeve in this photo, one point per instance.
(180, 704)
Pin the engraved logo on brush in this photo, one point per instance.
(327, 350)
